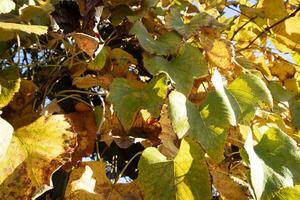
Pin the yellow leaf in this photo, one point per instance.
(291, 85)
(34, 154)
(5, 135)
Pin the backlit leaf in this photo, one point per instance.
(5, 135)
(208, 124)
(6, 6)
(200, 20)
(9, 84)
(128, 97)
(13, 27)
(182, 70)
(34, 154)
(274, 163)
(245, 94)
(89, 181)
(165, 45)
(185, 177)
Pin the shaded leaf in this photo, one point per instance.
(166, 44)
(100, 60)
(83, 123)
(121, 61)
(90, 80)
(89, 181)
(281, 95)
(182, 70)
(169, 140)
(34, 154)
(9, 84)
(20, 111)
(274, 163)
(129, 98)
(185, 177)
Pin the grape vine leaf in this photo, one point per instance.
(89, 181)
(9, 84)
(5, 135)
(245, 94)
(34, 154)
(288, 193)
(282, 95)
(14, 27)
(208, 124)
(185, 177)
(167, 44)
(274, 163)
(129, 97)
(6, 6)
(182, 69)
(174, 21)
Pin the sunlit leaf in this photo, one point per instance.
(89, 181)
(185, 177)
(245, 94)
(9, 84)
(174, 21)
(165, 45)
(182, 70)
(208, 124)
(288, 193)
(6, 6)
(274, 163)
(6, 136)
(14, 27)
(219, 51)
(129, 97)
(34, 154)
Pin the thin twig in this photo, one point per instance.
(269, 28)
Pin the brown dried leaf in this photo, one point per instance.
(20, 111)
(86, 43)
(90, 80)
(84, 124)
(89, 182)
(168, 137)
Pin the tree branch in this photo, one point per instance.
(269, 28)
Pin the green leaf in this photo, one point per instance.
(6, 6)
(208, 124)
(282, 95)
(128, 98)
(289, 193)
(174, 21)
(34, 154)
(9, 84)
(99, 61)
(246, 93)
(182, 69)
(165, 45)
(185, 177)
(14, 27)
(274, 163)
(5, 136)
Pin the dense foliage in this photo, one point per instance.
(180, 99)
